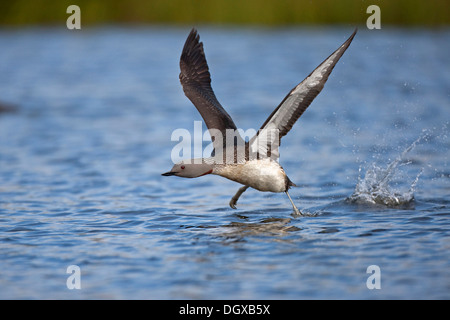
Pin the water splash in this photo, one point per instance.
(376, 186)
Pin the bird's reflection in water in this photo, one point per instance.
(266, 227)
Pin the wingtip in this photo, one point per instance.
(192, 41)
(350, 39)
(353, 34)
(194, 31)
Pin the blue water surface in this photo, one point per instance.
(85, 132)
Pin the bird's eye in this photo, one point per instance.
(182, 167)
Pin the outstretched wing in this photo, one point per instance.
(196, 81)
(294, 104)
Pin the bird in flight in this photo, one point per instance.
(252, 163)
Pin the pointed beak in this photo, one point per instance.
(170, 173)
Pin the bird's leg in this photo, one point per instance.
(293, 205)
(234, 200)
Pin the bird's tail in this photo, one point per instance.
(289, 183)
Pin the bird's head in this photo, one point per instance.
(189, 170)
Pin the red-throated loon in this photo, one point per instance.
(253, 163)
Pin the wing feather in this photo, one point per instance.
(297, 101)
(196, 82)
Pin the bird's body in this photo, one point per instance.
(254, 163)
(262, 175)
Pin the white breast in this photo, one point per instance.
(263, 175)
